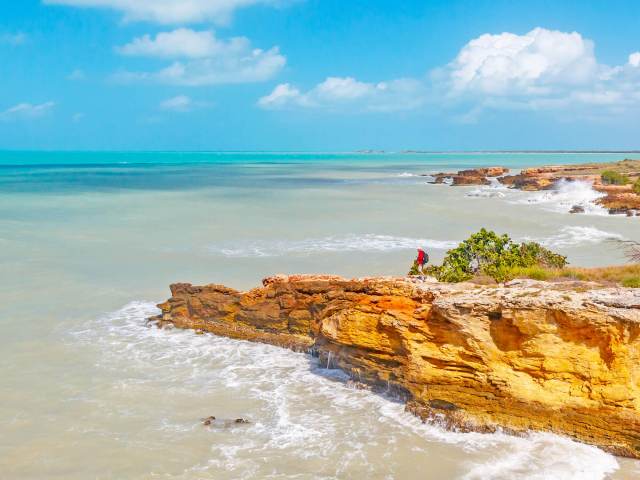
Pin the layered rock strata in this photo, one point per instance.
(529, 356)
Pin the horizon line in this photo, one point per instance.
(344, 152)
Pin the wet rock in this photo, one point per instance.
(224, 422)
(577, 209)
(209, 420)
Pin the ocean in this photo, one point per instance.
(90, 241)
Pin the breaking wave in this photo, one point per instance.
(564, 196)
(346, 243)
(575, 236)
(306, 421)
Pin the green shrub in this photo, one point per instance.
(636, 187)
(487, 253)
(609, 177)
(414, 268)
(631, 282)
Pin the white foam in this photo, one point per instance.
(494, 190)
(304, 414)
(564, 196)
(406, 174)
(346, 243)
(486, 193)
(573, 236)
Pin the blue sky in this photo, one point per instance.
(319, 74)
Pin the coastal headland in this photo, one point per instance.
(618, 182)
(529, 355)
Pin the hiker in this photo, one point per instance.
(422, 260)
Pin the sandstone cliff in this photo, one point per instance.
(532, 355)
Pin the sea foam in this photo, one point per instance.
(345, 243)
(573, 236)
(564, 196)
(305, 418)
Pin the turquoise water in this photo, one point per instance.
(90, 241)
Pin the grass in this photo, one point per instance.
(611, 177)
(625, 275)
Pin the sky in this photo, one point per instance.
(319, 75)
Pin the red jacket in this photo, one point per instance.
(421, 257)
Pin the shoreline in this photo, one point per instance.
(475, 358)
(617, 182)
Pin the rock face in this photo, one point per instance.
(476, 176)
(557, 357)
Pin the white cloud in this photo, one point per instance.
(281, 96)
(76, 75)
(13, 39)
(182, 104)
(184, 42)
(529, 64)
(168, 11)
(540, 70)
(340, 93)
(209, 61)
(27, 110)
(76, 117)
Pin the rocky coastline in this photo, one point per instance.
(617, 199)
(529, 355)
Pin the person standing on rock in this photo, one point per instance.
(422, 260)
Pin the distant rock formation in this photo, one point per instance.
(531, 355)
(617, 199)
(476, 176)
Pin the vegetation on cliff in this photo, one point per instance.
(493, 255)
(625, 275)
(610, 177)
(488, 255)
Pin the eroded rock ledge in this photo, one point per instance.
(532, 355)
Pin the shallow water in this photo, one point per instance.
(91, 241)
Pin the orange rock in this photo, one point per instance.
(531, 355)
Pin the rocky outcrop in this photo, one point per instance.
(476, 176)
(617, 199)
(556, 357)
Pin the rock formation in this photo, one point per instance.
(531, 355)
(476, 176)
(617, 199)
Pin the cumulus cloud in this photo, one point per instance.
(540, 70)
(27, 110)
(13, 39)
(205, 60)
(506, 63)
(168, 11)
(347, 93)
